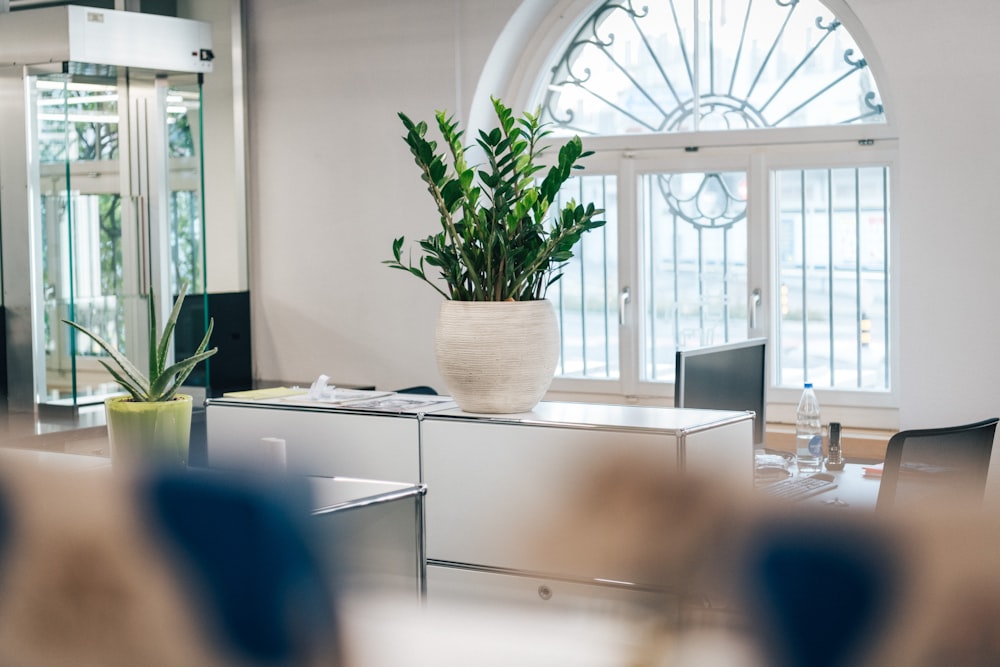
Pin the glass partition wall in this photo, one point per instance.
(115, 200)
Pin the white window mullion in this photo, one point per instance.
(629, 275)
(759, 246)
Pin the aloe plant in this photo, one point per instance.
(162, 381)
(498, 241)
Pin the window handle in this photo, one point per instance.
(142, 224)
(754, 306)
(624, 298)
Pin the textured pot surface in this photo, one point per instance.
(497, 356)
(149, 433)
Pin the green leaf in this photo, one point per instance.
(499, 239)
(135, 391)
(452, 194)
(151, 388)
(172, 378)
(163, 348)
(436, 170)
(132, 374)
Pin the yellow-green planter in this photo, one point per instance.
(153, 433)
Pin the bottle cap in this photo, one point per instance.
(808, 385)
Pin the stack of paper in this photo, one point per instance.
(268, 392)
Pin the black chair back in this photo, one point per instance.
(937, 466)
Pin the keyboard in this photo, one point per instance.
(797, 488)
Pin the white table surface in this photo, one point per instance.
(852, 487)
(59, 460)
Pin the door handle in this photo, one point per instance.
(624, 298)
(754, 305)
(142, 225)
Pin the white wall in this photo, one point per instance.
(942, 60)
(224, 171)
(332, 183)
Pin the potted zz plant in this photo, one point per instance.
(501, 245)
(152, 423)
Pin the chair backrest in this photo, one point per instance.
(937, 466)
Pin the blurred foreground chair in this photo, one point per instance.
(937, 466)
(820, 589)
(160, 568)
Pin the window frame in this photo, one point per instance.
(863, 408)
(875, 409)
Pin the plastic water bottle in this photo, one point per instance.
(808, 433)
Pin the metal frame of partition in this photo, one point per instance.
(393, 493)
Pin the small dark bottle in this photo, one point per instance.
(835, 460)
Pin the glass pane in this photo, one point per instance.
(184, 184)
(185, 181)
(586, 297)
(80, 215)
(699, 65)
(694, 235)
(100, 250)
(832, 242)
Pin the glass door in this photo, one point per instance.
(119, 215)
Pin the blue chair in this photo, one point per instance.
(820, 590)
(240, 553)
(246, 545)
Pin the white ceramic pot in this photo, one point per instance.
(497, 357)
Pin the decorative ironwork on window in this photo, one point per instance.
(694, 65)
(705, 200)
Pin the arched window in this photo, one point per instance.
(690, 66)
(745, 160)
